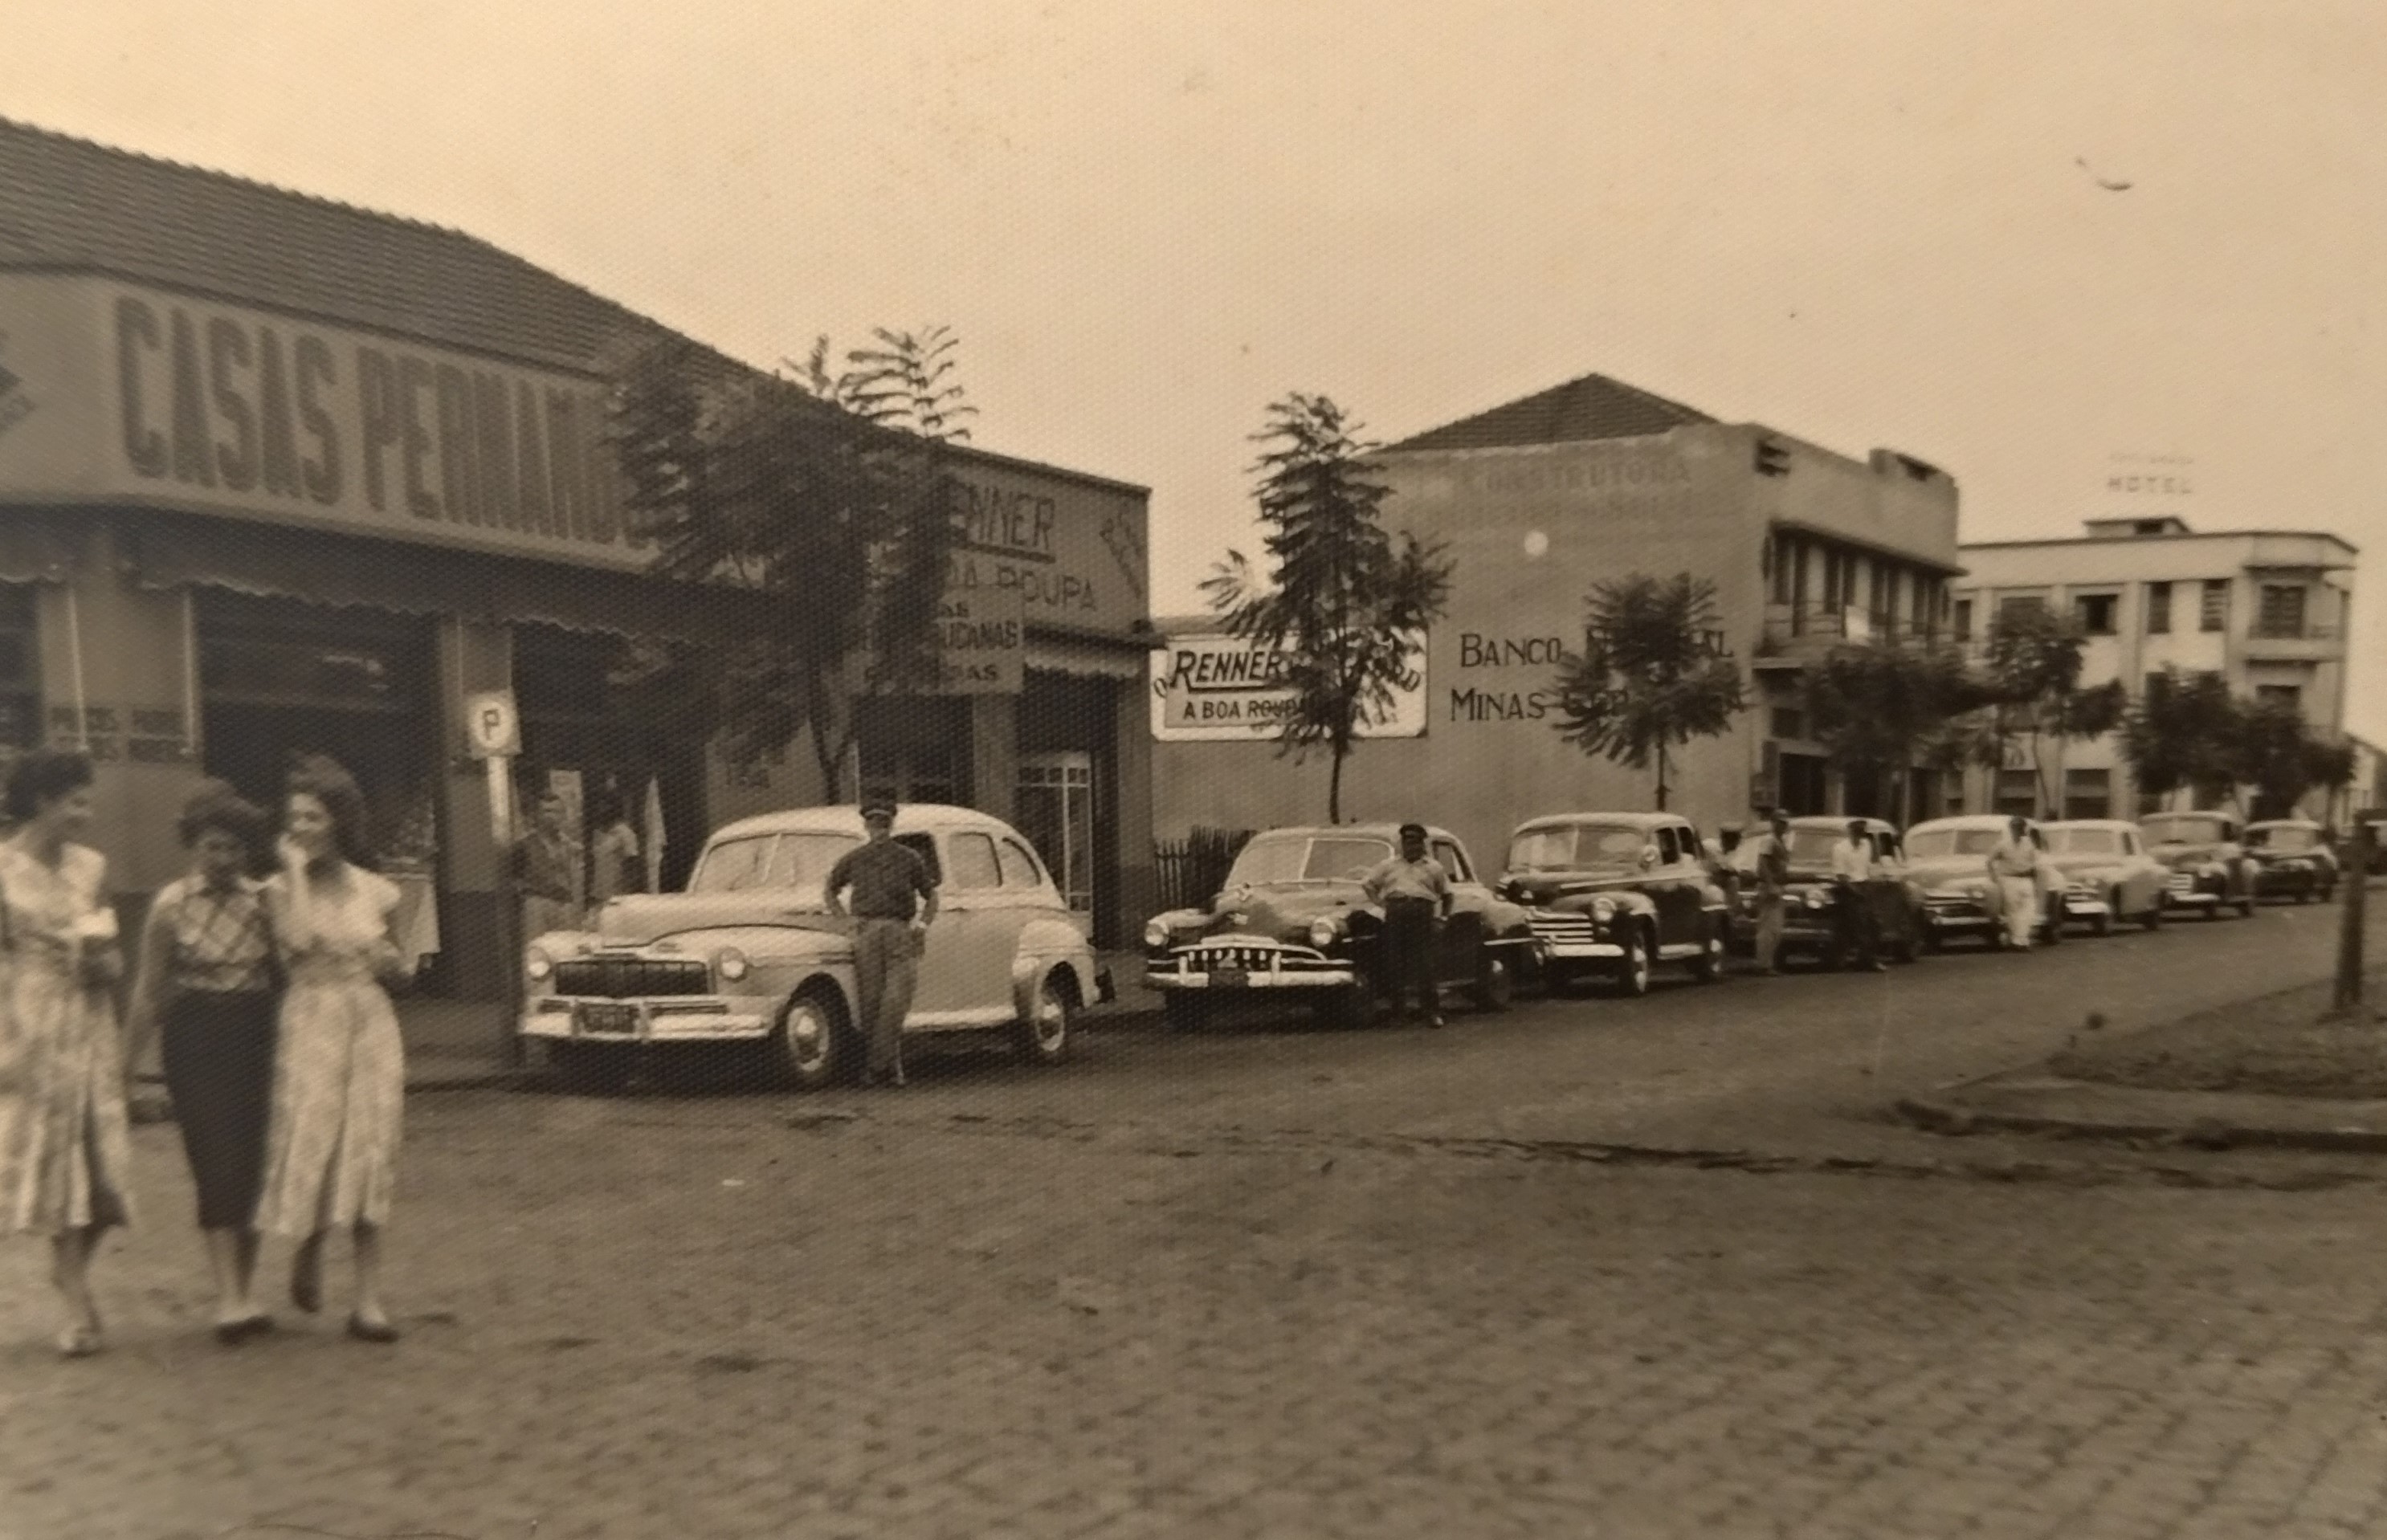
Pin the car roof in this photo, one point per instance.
(2191, 813)
(2283, 823)
(2117, 824)
(1631, 820)
(1968, 820)
(1835, 821)
(1377, 831)
(909, 818)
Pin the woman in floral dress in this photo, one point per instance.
(340, 1074)
(66, 1149)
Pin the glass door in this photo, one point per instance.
(1056, 813)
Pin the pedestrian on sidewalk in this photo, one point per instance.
(66, 1148)
(894, 903)
(339, 1083)
(1415, 893)
(614, 859)
(2013, 870)
(1771, 858)
(1860, 927)
(208, 988)
(546, 872)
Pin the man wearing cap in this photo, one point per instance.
(1415, 893)
(894, 900)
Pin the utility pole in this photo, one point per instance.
(2356, 878)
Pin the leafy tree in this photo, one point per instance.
(2186, 732)
(1877, 708)
(833, 490)
(1651, 677)
(1343, 600)
(2278, 755)
(2034, 672)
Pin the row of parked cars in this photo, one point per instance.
(746, 959)
(1613, 897)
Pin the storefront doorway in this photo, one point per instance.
(593, 731)
(1056, 813)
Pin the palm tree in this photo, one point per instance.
(1651, 677)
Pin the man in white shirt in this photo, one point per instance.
(1852, 865)
(2013, 867)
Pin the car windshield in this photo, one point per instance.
(1808, 847)
(1578, 848)
(2084, 841)
(797, 861)
(1274, 858)
(1925, 844)
(2289, 836)
(2184, 829)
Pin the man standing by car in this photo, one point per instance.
(1415, 893)
(1852, 893)
(2013, 869)
(894, 900)
(546, 874)
(1773, 868)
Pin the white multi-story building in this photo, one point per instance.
(2267, 610)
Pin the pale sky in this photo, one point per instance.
(1862, 221)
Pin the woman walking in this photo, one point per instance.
(66, 1149)
(339, 1079)
(208, 980)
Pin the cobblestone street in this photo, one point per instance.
(988, 1309)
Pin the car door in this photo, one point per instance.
(1677, 886)
(1462, 937)
(961, 979)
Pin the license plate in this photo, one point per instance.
(609, 1018)
(1229, 979)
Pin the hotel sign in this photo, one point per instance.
(1223, 689)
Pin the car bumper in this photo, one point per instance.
(2175, 900)
(2077, 906)
(689, 1019)
(1308, 978)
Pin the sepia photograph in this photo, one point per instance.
(1113, 770)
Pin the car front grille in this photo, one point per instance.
(1950, 906)
(631, 977)
(1251, 958)
(1556, 929)
(2182, 882)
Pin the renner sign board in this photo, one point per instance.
(1223, 689)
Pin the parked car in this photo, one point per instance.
(747, 954)
(1292, 922)
(2109, 877)
(2208, 862)
(2293, 860)
(1810, 924)
(1949, 858)
(1614, 894)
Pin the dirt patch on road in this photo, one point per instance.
(2276, 1044)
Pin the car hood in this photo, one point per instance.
(2259, 853)
(1939, 870)
(2187, 855)
(1282, 911)
(2088, 861)
(1546, 889)
(637, 918)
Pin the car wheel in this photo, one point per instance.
(2153, 918)
(2104, 926)
(1495, 986)
(1710, 966)
(807, 1046)
(1045, 1037)
(1183, 1012)
(1632, 978)
(1910, 946)
(2246, 907)
(593, 1069)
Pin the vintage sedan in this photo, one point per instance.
(1949, 858)
(1615, 894)
(1810, 924)
(2209, 871)
(2109, 878)
(748, 954)
(1293, 923)
(2293, 860)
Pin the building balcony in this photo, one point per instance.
(2313, 644)
(1795, 636)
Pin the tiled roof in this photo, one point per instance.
(68, 203)
(1592, 407)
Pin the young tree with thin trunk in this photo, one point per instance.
(1878, 708)
(2034, 667)
(1344, 601)
(1651, 677)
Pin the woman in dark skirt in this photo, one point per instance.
(208, 980)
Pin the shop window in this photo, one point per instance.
(2094, 613)
(2158, 609)
(2289, 696)
(2282, 610)
(2014, 606)
(2087, 793)
(1805, 783)
(2017, 792)
(974, 862)
(2212, 609)
(1963, 625)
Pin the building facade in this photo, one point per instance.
(1537, 501)
(281, 475)
(2269, 610)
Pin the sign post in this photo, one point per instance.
(493, 730)
(2356, 878)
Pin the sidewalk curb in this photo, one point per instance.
(1954, 1117)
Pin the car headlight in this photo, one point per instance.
(1155, 935)
(1818, 898)
(1323, 930)
(538, 965)
(730, 964)
(1603, 908)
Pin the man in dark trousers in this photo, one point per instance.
(1415, 893)
(894, 900)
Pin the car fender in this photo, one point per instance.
(1044, 944)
